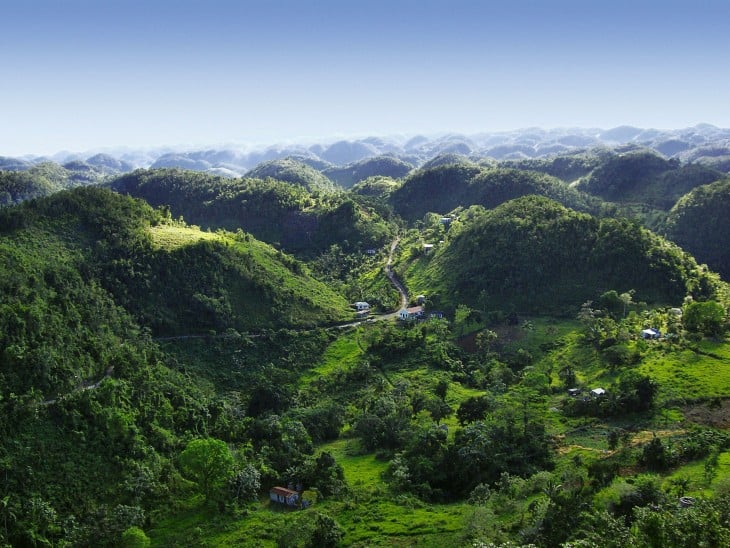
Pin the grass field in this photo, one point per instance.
(686, 374)
(174, 236)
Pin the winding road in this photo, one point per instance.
(387, 269)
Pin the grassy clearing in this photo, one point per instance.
(685, 374)
(341, 355)
(695, 473)
(173, 236)
(362, 470)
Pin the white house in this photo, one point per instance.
(597, 392)
(284, 496)
(361, 305)
(410, 314)
(651, 333)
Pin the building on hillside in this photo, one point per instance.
(361, 305)
(436, 315)
(427, 248)
(598, 392)
(411, 314)
(421, 299)
(651, 333)
(574, 392)
(282, 495)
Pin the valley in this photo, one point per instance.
(542, 357)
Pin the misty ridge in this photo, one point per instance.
(704, 144)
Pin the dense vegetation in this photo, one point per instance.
(700, 223)
(645, 177)
(295, 172)
(279, 213)
(533, 255)
(156, 379)
(382, 166)
(442, 189)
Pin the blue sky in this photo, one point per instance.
(86, 74)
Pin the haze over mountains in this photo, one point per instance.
(703, 143)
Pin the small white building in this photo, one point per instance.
(427, 248)
(598, 392)
(283, 495)
(411, 314)
(361, 305)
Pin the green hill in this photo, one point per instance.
(445, 188)
(48, 177)
(383, 166)
(172, 278)
(645, 177)
(294, 172)
(273, 211)
(18, 186)
(700, 224)
(566, 167)
(533, 255)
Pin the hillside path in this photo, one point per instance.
(393, 278)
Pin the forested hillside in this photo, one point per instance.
(700, 224)
(560, 375)
(444, 188)
(645, 177)
(276, 212)
(292, 171)
(532, 255)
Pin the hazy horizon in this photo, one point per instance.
(83, 75)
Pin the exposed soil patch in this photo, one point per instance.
(713, 413)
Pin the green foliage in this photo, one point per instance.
(699, 224)
(536, 256)
(646, 177)
(379, 167)
(445, 188)
(208, 462)
(279, 213)
(134, 537)
(705, 317)
(292, 171)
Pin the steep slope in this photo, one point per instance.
(700, 224)
(172, 278)
(294, 172)
(92, 417)
(534, 255)
(276, 212)
(444, 188)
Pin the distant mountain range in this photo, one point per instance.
(703, 143)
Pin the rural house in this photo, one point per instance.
(361, 305)
(411, 314)
(283, 495)
(651, 333)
